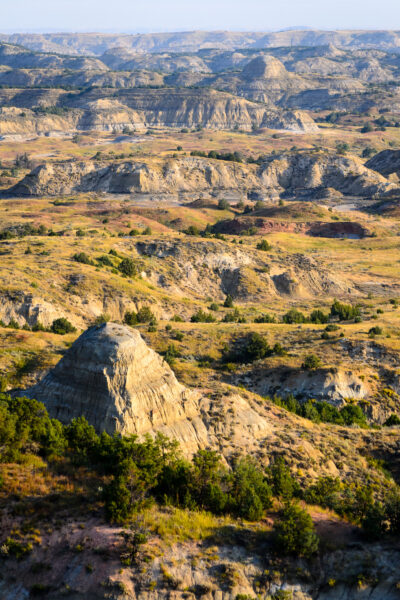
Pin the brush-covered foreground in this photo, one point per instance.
(61, 484)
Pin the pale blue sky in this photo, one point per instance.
(175, 15)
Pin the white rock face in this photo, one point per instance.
(110, 376)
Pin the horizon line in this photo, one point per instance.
(54, 31)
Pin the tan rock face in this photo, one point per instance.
(190, 174)
(334, 387)
(105, 109)
(28, 309)
(291, 173)
(310, 171)
(111, 377)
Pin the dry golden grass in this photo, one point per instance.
(33, 479)
(176, 525)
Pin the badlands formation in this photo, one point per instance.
(120, 385)
(199, 316)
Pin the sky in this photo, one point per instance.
(186, 15)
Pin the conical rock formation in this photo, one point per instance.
(110, 376)
(264, 67)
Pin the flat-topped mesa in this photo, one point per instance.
(111, 377)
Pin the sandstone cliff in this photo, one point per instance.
(168, 176)
(334, 386)
(288, 174)
(108, 109)
(346, 174)
(57, 77)
(26, 308)
(21, 58)
(204, 268)
(292, 77)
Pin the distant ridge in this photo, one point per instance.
(95, 44)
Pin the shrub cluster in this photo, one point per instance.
(296, 316)
(136, 470)
(202, 317)
(143, 315)
(233, 317)
(126, 266)
(60, 326)
(24, 423)
(250, 348)
(294, 532)
(229, 156)
(350, 414)
(311, 361)
(50, 110)
(265, 318)
(345, 312)
(264, 245)
(23, 230)
(83, 258)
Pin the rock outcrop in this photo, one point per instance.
(169, 176)
(300, 171)
(21, 58)
(185, 88)
(335, 386)
(110, 376)
(209, 268)
(386, 163)
(337, 229)
(265, 79)
(28, 309)
(286, 174)
(103, 108)
(264, 67)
